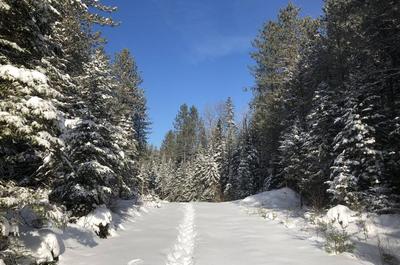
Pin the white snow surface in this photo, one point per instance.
(101, 215)
(371, 234)
(284, 198)
(201, 234)
(182, 253)
(44, 244)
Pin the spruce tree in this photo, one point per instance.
(135, 112)
(279, 48)
(230, 136)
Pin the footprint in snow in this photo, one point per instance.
(135, 262)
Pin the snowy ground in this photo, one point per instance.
(375, 238)
(201, 234)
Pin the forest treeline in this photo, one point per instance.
(73, 122)
(324, 119)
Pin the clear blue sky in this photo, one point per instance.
(193, 51)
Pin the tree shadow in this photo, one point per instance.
(125, 211)
(34, 239)
(82, 236)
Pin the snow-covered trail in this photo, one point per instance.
(148, 240)
(203, 234)
(228, 235)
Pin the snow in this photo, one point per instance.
(71, 123)
(8, 43)
(45, 245)
(42, 108)
(4, 6)
(201, 234)
(149, 232)
(11, 119)
(84, 247)
(101, 215)
(53, 243)
(182, 253)
(284, 198)
(26, 76)
(4, 226)
(340, 214)
(45, 139)
(371, 234)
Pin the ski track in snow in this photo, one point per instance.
(182, 253)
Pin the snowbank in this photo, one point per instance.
(284, 198)
(42, 243)
(376, 237)
(45, 245)
(82, 234)
(99, 216)
(340, 214)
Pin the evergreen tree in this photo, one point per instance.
(28, 112)
(132, 96)
(247, 175)
(318, 144)
(358, 167)
(230, 136)
(168, 146)
(292, 158)
(279, 48)
(93, 145)
(208, 172)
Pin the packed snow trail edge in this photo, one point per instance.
(182, 253)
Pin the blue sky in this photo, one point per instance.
(193, 51)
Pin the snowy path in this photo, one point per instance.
(182, 254)
(202, 234)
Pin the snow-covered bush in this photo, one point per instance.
(29, 209)
(98, 221)
(43, 214)
(43, 246)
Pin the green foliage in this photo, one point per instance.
(325, 111)
(337, 240)
(280, 48)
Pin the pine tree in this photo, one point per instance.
(293, 170)
(28, 113)
(247, 175)
(279, 48)
(208, 172)
(318, 145)
(126, 72)
(97, 146)
(39, 66)
(230, 136)
(168, 146)
(165, 177)
(358, 167)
